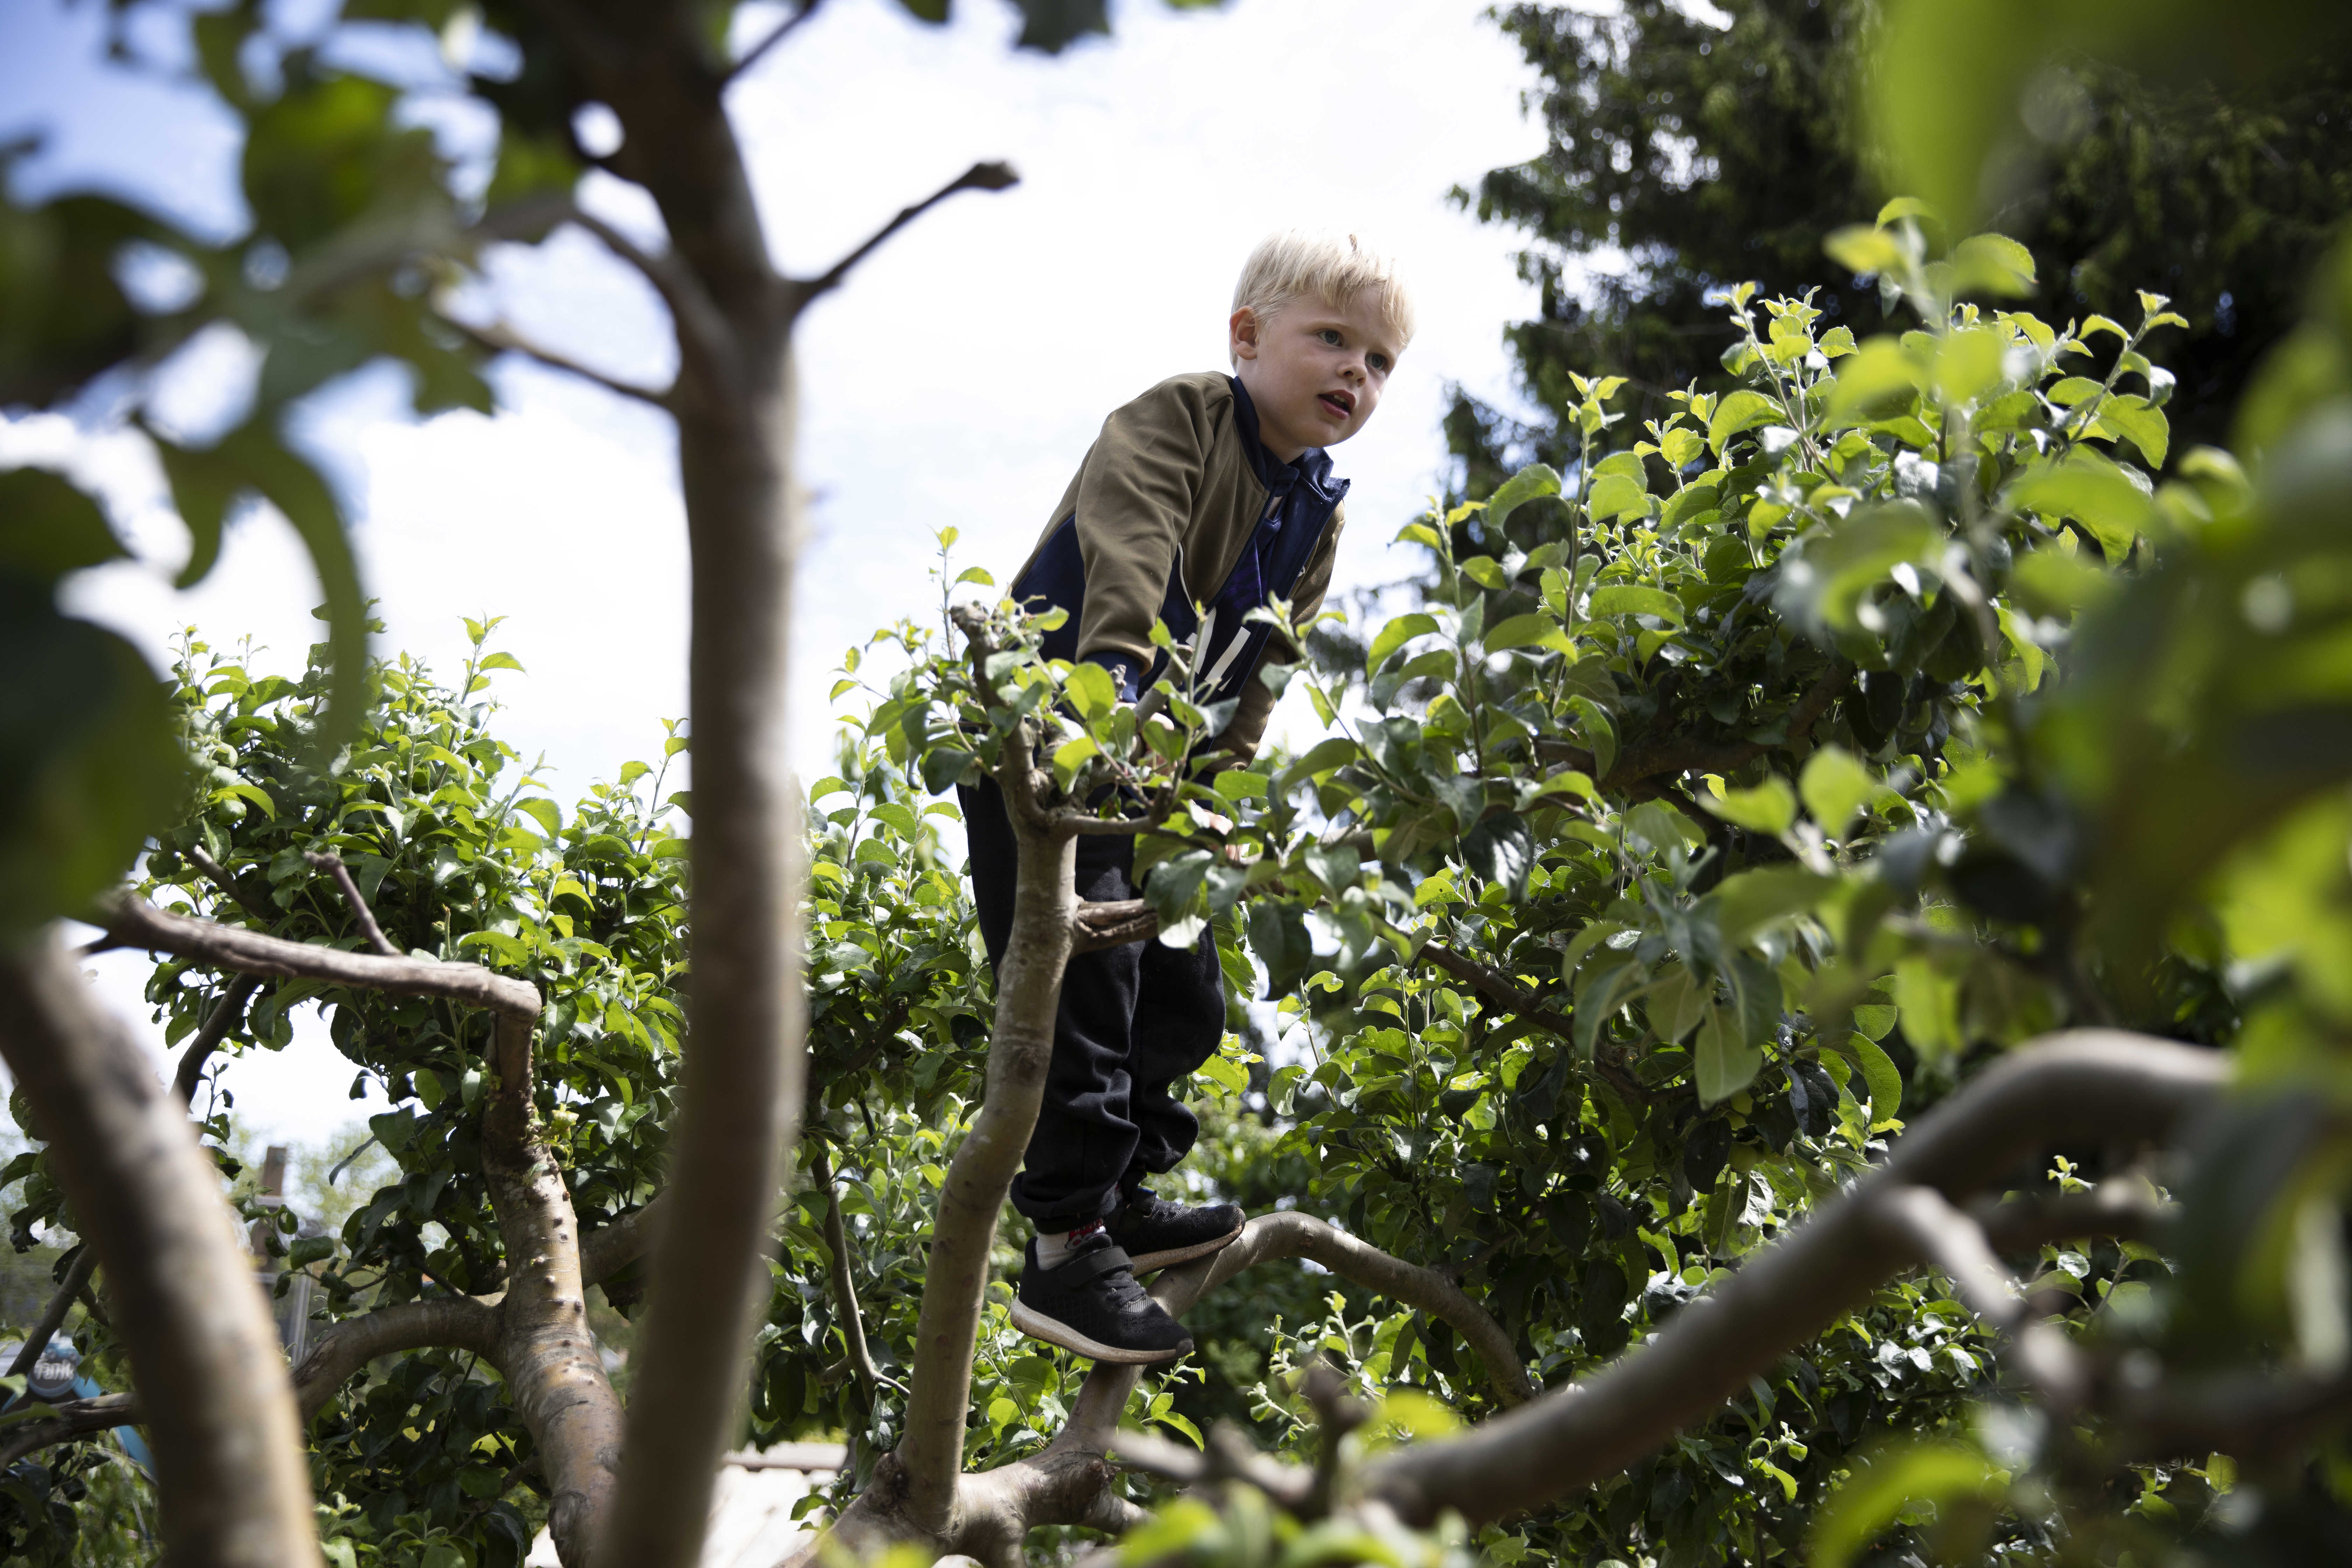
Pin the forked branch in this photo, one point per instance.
(978, 177)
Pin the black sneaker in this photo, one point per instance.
(1092, 1305)
(1157, 1233)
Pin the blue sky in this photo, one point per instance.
(957, 379)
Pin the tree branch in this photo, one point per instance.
(231, 1483)
(978, 177)
(53, 1316)
(225, 1018)
(257, 908)
(369, 931)
(499, 338)
(1499, 987)
(845, 1288)
(609, 1248)
(1920, 1220)
(1115, 924)
(140, 924)
(2080, 1085)
(758, 51)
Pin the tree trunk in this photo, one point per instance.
(744, 1065)
(231, 1484)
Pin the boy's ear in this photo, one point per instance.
(1244, 330)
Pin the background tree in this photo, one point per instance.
(1703, 155)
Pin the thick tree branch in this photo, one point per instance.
(609, 1248)
(369, 932)
(76, 1418)
(231, 1483)
(259, 907)
(140, 924)
(2083, 1085)
(499, 338)
(978, 177)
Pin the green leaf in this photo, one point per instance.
(1724, 1061)
(1396, 634)
(1637, 599)
(1527, 631)
(1865, 249)
(1530, 483)
(1739, 411)
(1599, 734)
(2089, 489)
(1501, 849)
(976, 575)
(1878, 1071)
(1835, 786)
(1866, 1505)
(1873, 382)
(1748, 902)
(1929, 1003)
(1614, 496)
(49, 528)
(1091, 690)
(1992, 264)
(1768, 807)
(2139, 422)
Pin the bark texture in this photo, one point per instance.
(231, 1484)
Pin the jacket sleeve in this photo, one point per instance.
(1241, 739)
(1135, 500)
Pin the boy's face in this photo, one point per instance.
(1315, 370)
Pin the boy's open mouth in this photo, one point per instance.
(1339, 403)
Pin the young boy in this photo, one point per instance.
(1208, 489)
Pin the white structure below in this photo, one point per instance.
(752, 1522)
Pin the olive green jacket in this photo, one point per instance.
(1173, 490)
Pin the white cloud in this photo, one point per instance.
(957, 378)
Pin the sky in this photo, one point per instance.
(957, 379)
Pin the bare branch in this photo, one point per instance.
(978, 177)
(2257, 1419)
(258, 909)
(1098, 925)
(1500, 987)
(230, 1479)
(369, 931)
(2114, 1210)
(76, 1418)
(226, 1017)
(1952, 1243)
(142, 924)
(609, 1248)
(845, 1288)
(53, 1316)
(2083, 1084)
(758, 51)
(499, 338)
(459, 1322)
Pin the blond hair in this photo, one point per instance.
(1331, 264)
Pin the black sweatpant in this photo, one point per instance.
(1132, 1022)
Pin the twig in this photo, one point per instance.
(845, 1288)
(53, 1316)
(256, 907)
(333, 864)
(1956, 1248)
(704, 333)
(499, 338)
(757, 51)
(978, 177)
(1500, 987)
(226, 1017)
(1111, 923)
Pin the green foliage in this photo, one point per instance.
(1703, 155)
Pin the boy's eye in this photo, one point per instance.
(1378, 362)
(1329, 335)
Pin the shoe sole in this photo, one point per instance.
(1038, 1326)
(1168, 1259)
